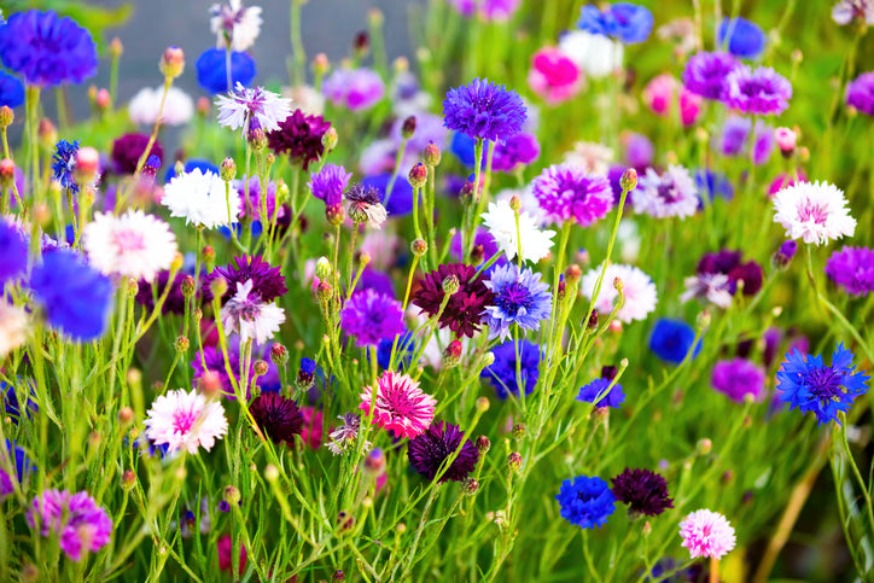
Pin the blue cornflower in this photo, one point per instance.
(520, 298)
(741, 37)
(596, 392)
(212, 70)
(672, 340)
(712, 184)
(9, 395)
(18, 458)
(483, 110)
(406, 349)
(401, 201)
(623, 21)
(11, 90)
(77, 299)
(47, 50)
(462, 146)
(64, 163)
(809, 385)
(502, 373)
(586, 501)
(13, 253)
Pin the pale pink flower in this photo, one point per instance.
(660, 95)
(185, 420)
(707, 534)
(133, 245)
(554, 76)
(401, 406)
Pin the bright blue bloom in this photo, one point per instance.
(10, 400)
(809, 385)
(623, 21)
(77, 299)
(191, 165)
(712, 184)
(406, 349)
(212, 70)
(401, 201)
(47, 50)
(744, 38)
(484, 110)
(597, 388)
(672, 340)
(586, 501)
(22, 465)
(13, 253)
(11, 90)
(64, 163)
(520, 298)
(502, 373)
(462, 147)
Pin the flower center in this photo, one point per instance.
(811, 211)
(513, 298)
(668, 191)
(825, 383)
(183, 421)
(126, 241)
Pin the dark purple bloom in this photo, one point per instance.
(300, 137)
(127, 150)
(428, 451)
(47, 50)
(502, 373)
(786, 252)
(741, 37)
(644, 491)
(13, 253)
(11, 90)
(624, 21)
(278, 417)
(860, 93)
(80, 524)
(267, 281)
(586, 501)
(705, 74)
(852, 268)
(463, 312)
(212, 69)
(519, 150)
(484, 110)
(760, 91)
(738, 378)
(175, 302)
(371, 317)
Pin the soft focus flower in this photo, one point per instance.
(247, 314)
(129, 148)
(400, 405)
(644, 491)
(500, 220)
(47, 50)
(502, 374)
(671, 340)
(565, 192)
(370, 317)
(241, 106)
(185, 420)
(13, 253)
(277, 416)
(212, 360)
(133, 245)
(852, 268)
(149, 291)
(596, 55)
(638, 292)
(807, 384)
(815, 212)
(520, 298)
(300, 137)
(671, 194)
(760, 91)
(741, 37)
(81, 525)
(713, 287)
(200, 198)
(590, 157)
(76, 298)
(738, 378)
(661, 93)
(597, 393)
(225, 551)
(845, 11)
(235, 22)
(553, 75)
(489, 10)
(306, 98)
(328, 185)
(586, 501)
(11, 90)
(623, 21)
(483, 110)
(19, 462)
(354, 89)
(144, 107)
(860, 92)
(212, 70)
(346, 435)
(707, 534)
(519, 150)
(13, 328)
(705, 74)
(463, 312)
(428, 451)
(735, 139)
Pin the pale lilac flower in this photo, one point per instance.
(672, 194)
(714, 287)
(247, 315)
(345, 436)
(846, 11)
(242, 105)
(638, 291)
(185, 421)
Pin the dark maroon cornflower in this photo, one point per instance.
(751, 274)
(300, 136)
(175, 302)
(127, 150)
(720, 262)
(463, 312)
(267, 281)
(428, 451)
(729, 263)
(644, 491)
(278, 417)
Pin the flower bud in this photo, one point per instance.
(330, 139)
(338, 575)
(102, 100)
(232, 494)
(48, 135)
(573, 273)
(218, 287)
(182, 344)
(7, 172)
(419, 247)
(418, 176)
(514, 461)
(470, 486)
(323, 269)
(488, 359)
(228, 170)
(260, 368)
(783, 256)
(518, 431)
(187, 286)
(483, 444)
(203, 106)
(128, 480)
(432, 155)
(125, 416)
(325, 291)
(628, 181)
(210, 383)
(477, 254)
(172, 62)
(278, 353)
(408, 128)
(271, 474)
(482, 405)
(704, 446)
(593, 320)
(361, 43)
(452, 354)
(516, 203)
(87, 165)
(7, 116)
(116, 48)
(786, 140)
(451, 285)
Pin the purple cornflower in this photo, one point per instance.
(705, 74)
(786, 252)
(759, 91)
(328, 185)
(345, 436)
(484, 111)
(860, 92)
(428, 451)
(566, 192)
(484, 248)
(355, 89)
(64, 163)
(519, 150)
(175, 302)
(586, 501)
(520, 298)
(623, 21)
(127, 150)
(852, 268)
(13, 254)
(644, 491)
(370, 317)
(79, 522)
(738, 378)
(807, 384)
(671, 194)
(267, 280)
(215, 363)
(735, 138)
(47, 50)
(252, 207)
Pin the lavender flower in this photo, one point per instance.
(484, 110)
(760, 91)
(705, 74)
(852, 268)
(672, 194)
(355, 89)
(372, 317)
(738, 378)
(81, 525)
(860, 93)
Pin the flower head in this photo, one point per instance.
(661, 93)
(644, 491)
(300, 137)
(13, 253)
(707, 534)
(80, 524)
(345, 436)
(815, 212)
(566, 192)
(623, 21)
(738, 378)
(235, 24)
(11, 90)
(428, 451)
(464, 310)
(860, 92)
(502, 374)
(127, 150)
(242, 105)
(705, 74)
(520, 298)
(483, 110)
(278, 417)
(671, 194)
(846, 11)
(586, 501)
(247, 314)
(400, 405)
(371, 316)
(554, 76)
(741, 37)
(671, 340)
(354, 89)
(212, 70)
(807, 384)
(185, 420)
(519, 150)
(500, 220)
(365, 206)
(267, 280)
(760, 91)
(591, 158)
(596, 54)
(852, 268)
(328, 185)
(638, 292)
(597, 392)
(200, 198)
(64, 164)
(145, 107)
(133, 245)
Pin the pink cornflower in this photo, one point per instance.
(707, 534)
(185, 420)
(401, 406)
(81, 524)
(660, 94)
(553, 76)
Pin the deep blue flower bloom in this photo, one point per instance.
(405, 350)
(64, 163)
(191, 165)
(586, 501)
(597, 389)
(484, 110)
(13, 253)
(712, 184)
(212, 73)
(11, 90)
(809, 385)
(46, 49)
(743, 38)
(502, 373)
(672, 340)
(77, 298)
(401, 201)
(22, 465)
(9, 394)
(623, 21)
(520, 298)
(462, 147)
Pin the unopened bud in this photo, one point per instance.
(321, 64)
(419, 247)
(116, 48)
(323, 269)
(704, 446)
(182, 344)
(102, 100)
(786, 140)
(452, 354)
(628, 181)
(516, 203)
(278, 353)
(172, 62)
(482, 405)
(232, 493)
(125, 416)
(228, 169)
(260, 367)
(483, 444)
(514, 461)
(128, 480)
(573, 273)
(432, 155)
(338, 575)
(361, 43)
(593, 320)
(48, 135)
(87, 164)
(451, 285)
(271, 473)
(330, 139)
(7, 116)
(418, 175)
(408, 127)
(7, 172)
(203, 106)
(518, 431)
(187, 286)
(218, 287)
(470, 486)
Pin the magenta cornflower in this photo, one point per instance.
(860, 93)
(738, 378)
(566, 192)
(400, 407)
(707, 534)
(81, 525)
(760, 91)
(355, 89)
(370, 317)
(553, 76)
(852, 268)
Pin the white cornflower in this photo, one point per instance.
(530, 204)
(242, 105)
(591, 157)
(671, 194)
(144, 106)
(814, 212)
(13, 328)
(185, 421)
(133, 245)
(638, 290)
(714, 287)
(233, 20)
(247, 315)
(306, 98)
(200, 198)
(597, 55)
(500, 220)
